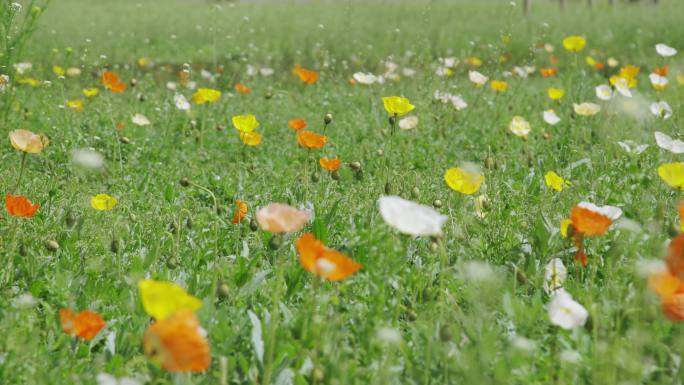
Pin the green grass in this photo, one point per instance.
(462, 335)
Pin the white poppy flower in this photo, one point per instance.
(108, 379)
(622, 86)
(23, 68)
(181, 102)
(665, 50)
(409, 217)
(658, 82)
(477, 78)
(408, 72)
(266, 71)
(365, 78)
(586, 109)
(408, 123)
(140, 120)
(555, 274)
(87, 158)
(661, 109)
(667, 143)
(633, 148)
(551, 118)
(604, 92)
(519, 126)
(566, 312)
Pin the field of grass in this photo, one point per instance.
(466, 307)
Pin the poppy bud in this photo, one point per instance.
(22, 250)
(355, 165)
(134, 82)
(124, 140)
(317, 375)
(388, 188)
(275, 242)
(114, 246)
(220, 127)
(314, 177)
(335, 175)
(445, 333)
(434, 247)
(185, 182)
(253, 225)
(52, 245)
(172, 228)
(70, 219)
(172, 263)
(141, 97)
(381, 152)
(415, 193)
(437, 203)
(188, 223)
(268, 95)
(546, 136)
(489, 163)
(392, 120)
(411, 315)
(327, 119)
(358, 175)
(222, 290)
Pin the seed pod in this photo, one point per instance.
(70, 219)
(114, 246)
(253, 225)
(489, 163)
(415, 193)
(327, 119)
(222, 290)
(445, 333)
(314, 177)
(52, 245)
(124, 140)
(437, 203)
(275, 242)
(355, 165)
(411, 315)
(172, 263)
(220, 127)
(335, 175)
(185, 182)
(268, 95)
(134, 82)
(141, 97)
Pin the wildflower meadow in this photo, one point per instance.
(291, 192)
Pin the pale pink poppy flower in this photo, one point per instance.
(281, 218)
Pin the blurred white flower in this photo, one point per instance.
(477, 78)
(519, 126)
(108, 379)
(550, 117)
(632, 147)
(181, 102)
(608, 211)
(365, 78)
(565, 312)
(478, 271)
(661, 109)
(23, 68)
(87, 158)
(658, 82)
(4, 82)
(586, 109)
(622, 86)
(667, 143)
(408, 72)
(390, 336)
(555, 274)
(24, 301)
(455, 100)
(140, 120)
(523, 344)
(570, 356)
(409, 217)
(172, 86)
(266, 71)
(408, 123)
(665, 50)
(604, 92)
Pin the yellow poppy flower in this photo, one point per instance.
(396, 105)
(586, 109)
(143, 62)
(163, 299)
(250, 138)
(463, 181)
(574, 43)
(103, 202)
(206, 95)
(680, 79)
(28, 142)
(245, 123)
(90, 92)
(498, 85)
(59, 71)
(555, 93)
(75, 105)
(556, 181)
(29, 82)
(564, 225)
(672, 174)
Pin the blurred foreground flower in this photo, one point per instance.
(178, 343)
(409, 217)
(163, 299)
(281, 218)
(85, 324)
(565, 312)
(316, 258)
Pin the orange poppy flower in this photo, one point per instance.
(599, 66)
(112, 82)
(297, 124)
(554, 59)
(184, 78)
(675, 256)
(322, 261)
(670, 289)
(240, 212)
(589, 222)
(548, 72)
(305, 75)
(85, 324)
(178, 343)
(330, 164)
(20, 206)
(662, 71)
(311, 140)
(242, 89)
(351, 82)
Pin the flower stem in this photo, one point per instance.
(21, 170)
